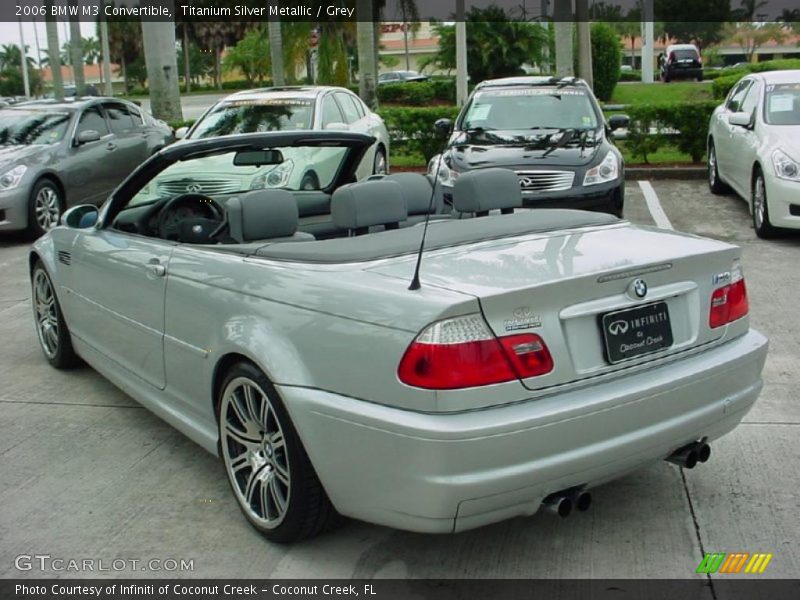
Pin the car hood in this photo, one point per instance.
(20, 154)
(784, 137)
(507, 149)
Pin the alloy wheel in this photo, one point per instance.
(47, 208)
(712, 166)
(254, 451)
(44, 302)
(380, 164)
(759, 198)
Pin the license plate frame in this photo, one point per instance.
(637, 331)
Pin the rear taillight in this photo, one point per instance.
(729, 302)
(463, 352)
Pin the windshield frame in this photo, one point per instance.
(356, 143)
(553, 88)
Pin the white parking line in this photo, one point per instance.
(654, 206)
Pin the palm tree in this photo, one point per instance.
(749, 10)
(410, 13)
(10, 57)
(215, 37)
(158, 40)
(365, 29)
(276, 51)
(52, 49)
(76, 52)
(125, 44)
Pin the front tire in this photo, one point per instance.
(310, 182)
(44, 207)
(51, 329)
(764, 229)
(714, 184)
(267, 467)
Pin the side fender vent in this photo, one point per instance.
(64, 257)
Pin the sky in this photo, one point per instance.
(9, 34)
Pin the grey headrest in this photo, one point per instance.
(261, 215)
(417, 190)
(368, 203)
(487, 189)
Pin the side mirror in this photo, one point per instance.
(742, 119)
(86, 136)
(618, 122)
(82, 216)
(181, 132)
(336, 126)
(443, 126)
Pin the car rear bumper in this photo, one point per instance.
(783, 199)
(13, 210)
(449, 472)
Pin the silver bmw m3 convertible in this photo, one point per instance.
(354, 350)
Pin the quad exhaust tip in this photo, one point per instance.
(688, 456)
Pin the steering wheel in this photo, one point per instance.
(206, 217)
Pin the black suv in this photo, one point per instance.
(550, 131)
(681, 61)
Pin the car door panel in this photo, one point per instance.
(725, 143)
(130, 139)
(746, 143)
(126, 327)
(92, 172)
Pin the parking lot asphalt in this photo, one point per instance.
(87, 473)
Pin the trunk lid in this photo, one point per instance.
(568, 287)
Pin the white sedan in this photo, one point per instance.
(297, 108)
(753, 147)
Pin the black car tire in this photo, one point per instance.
(761, 223)
(45, 206)
(714, 183)
(292, 504)
(51, 329)
(310, 182)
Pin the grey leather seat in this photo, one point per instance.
(358, 207)
(483, 190)
(268, 215)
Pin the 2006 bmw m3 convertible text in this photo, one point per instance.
(539, 354)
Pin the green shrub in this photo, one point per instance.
(422, 93)
(728, 78)
(683, 124)
(630, 75)
(183, 123)
(722, 85)
(411, 128)
(606, 59)
(419, 93)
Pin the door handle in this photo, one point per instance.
(156, 269)
(111, 146)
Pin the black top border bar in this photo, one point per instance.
(390, 10)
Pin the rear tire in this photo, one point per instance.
(379, 165)
(764, 229)
(51, 329)
(268, 469)
(714, 184)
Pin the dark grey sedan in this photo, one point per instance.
(57, 154)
